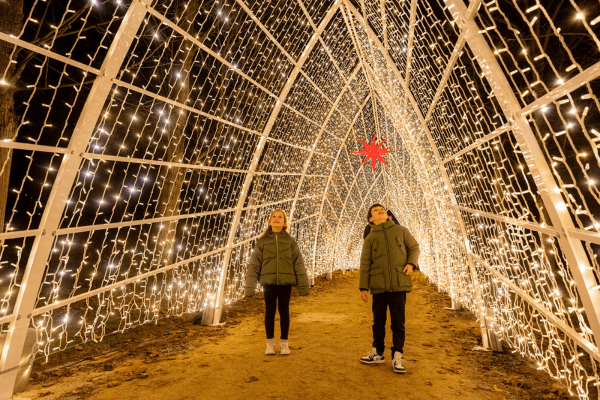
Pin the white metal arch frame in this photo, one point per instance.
(21, 317)
(342, 143)
(75, 153)
(561, 220)
(218, 307)
(569, 237)
(318, 137)
(373, 39)
(334, 164)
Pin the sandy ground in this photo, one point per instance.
(331, 330)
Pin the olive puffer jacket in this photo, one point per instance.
(386, 251)
(276, 260)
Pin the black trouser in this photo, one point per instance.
(396, 301)
(272, 293)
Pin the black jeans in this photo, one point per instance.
(272, 293)
(396, 301)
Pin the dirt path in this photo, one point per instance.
(330, 330)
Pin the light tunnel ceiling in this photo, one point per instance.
(144, 145)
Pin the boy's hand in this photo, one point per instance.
(364, 295)
(408, 269)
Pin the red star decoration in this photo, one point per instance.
(373, 151)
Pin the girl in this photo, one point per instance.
(276, 261)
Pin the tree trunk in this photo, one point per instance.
(169, 200)
(11, 21)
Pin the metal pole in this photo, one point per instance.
(47, 53)
(192, 109)
(411, 38)
(217, 308)
(533, 226)
(32, 147)
(572, 248)
(582, 234)
(112, 225)
(479, 142)
(19, 234)
(575, 82)
(67, 173)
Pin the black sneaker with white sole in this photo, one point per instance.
(398, 363)
(373, 357)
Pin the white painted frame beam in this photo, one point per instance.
(65, 178)
(318, 137)
(533, 226)
(137, 278)
(207, 115)
(572, 248)
(479, 142)
(572, 84)
(549, 315)
(342, 146)
(7, 144)
(47, 53)
(218, 306)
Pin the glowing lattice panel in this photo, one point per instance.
(141, 160)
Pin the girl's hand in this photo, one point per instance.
(364, 295)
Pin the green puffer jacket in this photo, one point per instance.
(276, 260)
(386, 251)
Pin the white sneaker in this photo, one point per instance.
(373, 358)
(270, 347)
(284, 348)
(398, 363)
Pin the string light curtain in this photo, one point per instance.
(145, 143)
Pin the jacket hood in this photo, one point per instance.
(269, 231)
(386, 224)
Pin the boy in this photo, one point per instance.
(389, 255)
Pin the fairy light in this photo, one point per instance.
(174, 210)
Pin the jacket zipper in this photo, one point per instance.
(277, 263)
(387, 247)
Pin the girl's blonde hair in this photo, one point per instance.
(285, 220)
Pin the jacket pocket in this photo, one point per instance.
(402, 279)
(376, 280)
(401, 245)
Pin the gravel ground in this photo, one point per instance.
(330, 331)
